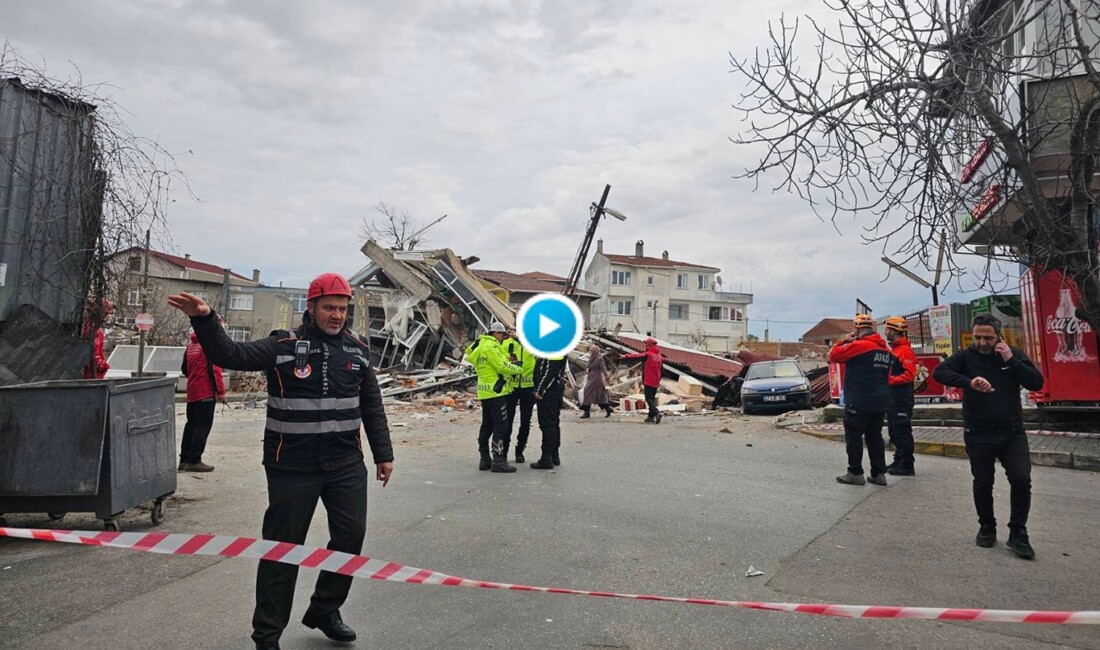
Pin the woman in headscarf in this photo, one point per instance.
(595, 385)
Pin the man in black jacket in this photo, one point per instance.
(549, 394)
(990, 372)
(320, 386)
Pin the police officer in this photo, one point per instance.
(523, 391)
(899, 419)
(867, 366)
(549, 393)
(493, 370)
(320, 386)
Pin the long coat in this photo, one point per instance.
(595, 385)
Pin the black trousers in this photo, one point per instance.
(292, 498)
(650, 393)
(899, 422)
(860, 427)
(200, 418)
(550, 423)
(525, 399)
(985, 447)
(494, 425)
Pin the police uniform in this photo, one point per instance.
(522, 397)
(550, 388)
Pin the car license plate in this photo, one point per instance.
(775, 398)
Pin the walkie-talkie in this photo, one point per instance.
(301, 354)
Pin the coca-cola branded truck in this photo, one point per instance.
(1062, 346)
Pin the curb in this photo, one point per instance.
(1062, 459)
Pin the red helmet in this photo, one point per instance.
(328, 284)
(650, 341)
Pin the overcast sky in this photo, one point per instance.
(294, 119)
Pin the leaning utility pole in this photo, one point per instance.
(598, 210)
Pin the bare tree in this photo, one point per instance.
(937, 117)
(394, 228)
(99, 177)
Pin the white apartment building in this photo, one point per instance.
(678, 302)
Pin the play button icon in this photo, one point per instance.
(549, 325)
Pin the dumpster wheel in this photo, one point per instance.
(56, 516)
(157, 515)
(111, 525)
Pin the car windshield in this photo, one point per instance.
(773, 370)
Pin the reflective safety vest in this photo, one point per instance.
(524, 359)
(492, 366)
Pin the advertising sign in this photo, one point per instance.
(1066, 351)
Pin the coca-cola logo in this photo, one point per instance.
(1067, 325)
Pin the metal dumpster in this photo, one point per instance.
(97, 446)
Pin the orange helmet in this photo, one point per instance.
(897, 323)
(863, 320)
(328, 284)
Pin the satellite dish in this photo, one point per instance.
(718, 280)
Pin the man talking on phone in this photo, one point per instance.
(991, 373)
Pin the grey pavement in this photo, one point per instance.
(679, 509)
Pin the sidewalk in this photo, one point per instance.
(1048, 448)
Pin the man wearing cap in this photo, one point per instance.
(493, 370)
(320, 387)
(867, 366)
(899, 419)
(651, 375)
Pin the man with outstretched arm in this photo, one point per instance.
(320, 385)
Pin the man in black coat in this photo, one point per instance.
(320, 387)
(991, 373)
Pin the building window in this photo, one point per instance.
(678, 312)
(651, 303)
(298, 300)
(126, 322)
(241, 301)
(133, 297)
(239, 333)
(704, 282)
(681, 280)
(649, 280)
(736, 315)
(620, 277)
(716, 313)
(135, 263)
(621, 307)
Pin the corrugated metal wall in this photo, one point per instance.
(50, 202)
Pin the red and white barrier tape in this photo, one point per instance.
(1053, 434)
(361, 566)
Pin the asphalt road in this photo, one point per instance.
(678, 509)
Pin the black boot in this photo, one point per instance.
(587, 412)
(331, 625)
(486, 462)
(609, 410)
(546, 462)
(901, 469)
(500, 461)
(1020, 545)
(987, 536)
(555, 459)
(519, 455)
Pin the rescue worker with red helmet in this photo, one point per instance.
(867, 367)
(899, 419)
(651, 375)
(320, 387)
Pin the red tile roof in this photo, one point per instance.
(185, 262)
(539, 275)
(513, 282)
(700, 364)
(828, 328)
(632, 260)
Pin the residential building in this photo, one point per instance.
(679, 302)
(828, 331)
(251, 311)
(514, 289)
